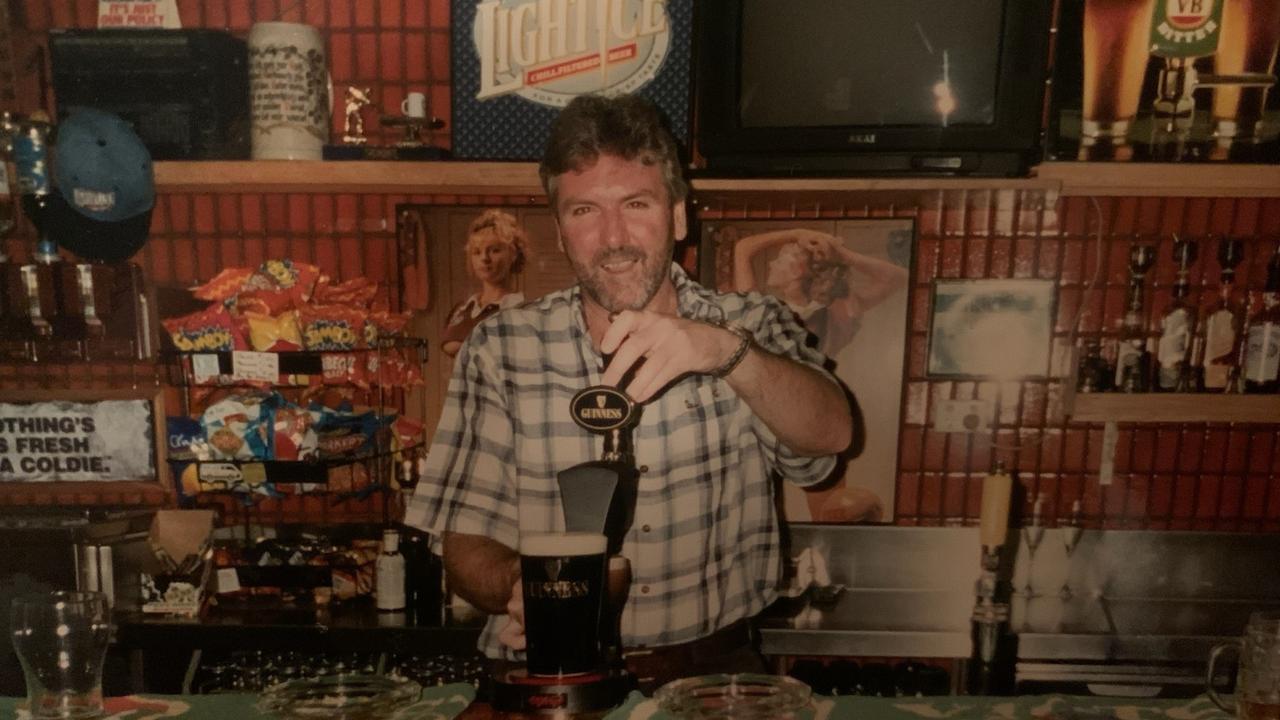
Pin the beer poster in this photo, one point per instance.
(847, 282)
(517, 62)
(1166, 81)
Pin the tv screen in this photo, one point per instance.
(909, 62)
(867, 85)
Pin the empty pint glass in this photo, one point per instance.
(563, 581)
(1257, 695)
(61, 640)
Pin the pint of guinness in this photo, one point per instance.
(563, 580)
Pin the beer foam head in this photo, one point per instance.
(563, 544)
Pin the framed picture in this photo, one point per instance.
(472, 252)
(1000, 329)
(847, 281)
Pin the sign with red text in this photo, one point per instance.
(148, 14)
(76, 441)
(517, 62)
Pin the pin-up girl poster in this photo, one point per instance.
(847, 281)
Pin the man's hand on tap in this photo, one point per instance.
(666, 346)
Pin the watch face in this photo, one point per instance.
(601, 408)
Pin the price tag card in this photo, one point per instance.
(228, 580)
(255, 366)
(204, 367)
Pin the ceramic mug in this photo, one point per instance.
(289, 91)
(414, 105)
(1257, 695)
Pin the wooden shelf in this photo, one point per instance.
(1174, 407)
(1163, 179)
(521, 178)
(425, 177)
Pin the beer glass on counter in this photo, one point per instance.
(1115, 59)
(1250, 34)
(563, 581)
(61, 639)
(1257, 695)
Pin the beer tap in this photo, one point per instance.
(989, 665)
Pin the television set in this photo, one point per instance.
(832, 87)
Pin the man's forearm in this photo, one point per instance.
(481, 570)
(809, 413)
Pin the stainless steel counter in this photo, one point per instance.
(1134, 597)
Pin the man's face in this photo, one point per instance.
(618, 227)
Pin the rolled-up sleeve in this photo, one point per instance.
(775, 328)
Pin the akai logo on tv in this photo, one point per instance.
(549, 51)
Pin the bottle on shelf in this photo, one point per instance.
(1177, 326)
(1223, 327)
(389, 574)
(1133, 362)
(1093, 373)
(1262, 337)
(31, 161)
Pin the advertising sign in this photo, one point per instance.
(517, 62)
(77, 441)
(1166, 81)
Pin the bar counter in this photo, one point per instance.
(443, 703)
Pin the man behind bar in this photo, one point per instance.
(723, 411)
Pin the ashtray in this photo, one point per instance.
(735, 697)
(350, 696)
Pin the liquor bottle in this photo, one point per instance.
(423, 577)
(1223, 326)
(1177, 325)
(1262, 337)
(389, 574)
(1133, 371)
(31, 160)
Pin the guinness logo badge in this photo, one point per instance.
(601, 408)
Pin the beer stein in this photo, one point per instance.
(1257, 695)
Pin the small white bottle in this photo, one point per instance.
(390, 574)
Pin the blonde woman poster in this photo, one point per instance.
(847, 281)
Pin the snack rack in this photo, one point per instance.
(342, 467)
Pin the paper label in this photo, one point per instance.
(1262, 362)
(228, 580)
(204, 367)
(255, 366)
(139, 14)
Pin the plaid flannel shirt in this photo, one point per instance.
(704, 547)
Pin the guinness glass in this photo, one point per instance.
(563, 580)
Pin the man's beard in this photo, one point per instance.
(616, 294)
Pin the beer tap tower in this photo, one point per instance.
(990, 668)
(598, 497)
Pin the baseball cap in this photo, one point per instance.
(101, 206)
(101, 167)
